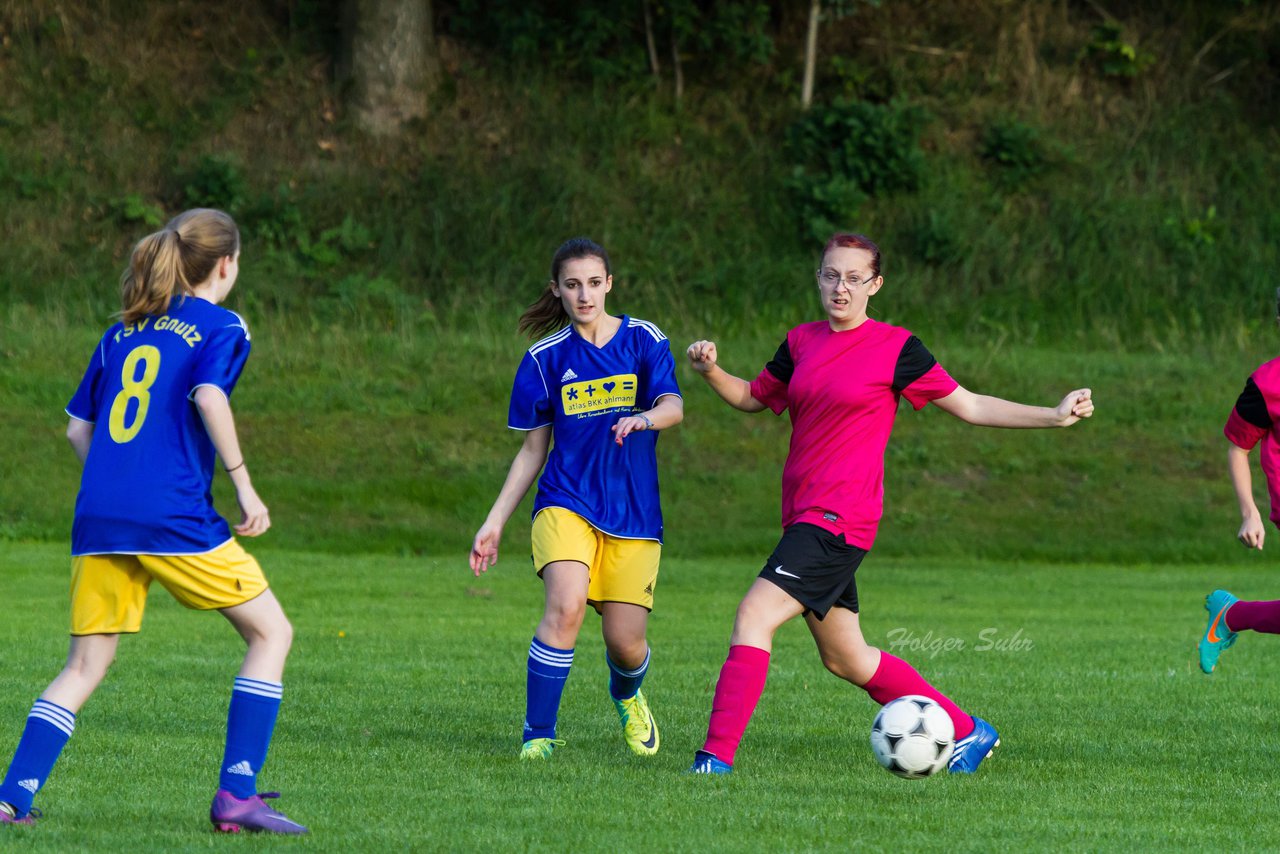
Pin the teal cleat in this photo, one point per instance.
(539, 748)
(1217, 636)
(638, 726)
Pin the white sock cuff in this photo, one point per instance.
(258, 687)
(52, 713)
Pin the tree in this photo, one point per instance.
(395, 64)
(810, 53)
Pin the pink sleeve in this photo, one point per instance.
(770, 391)
(935, 383)
(1241, 433)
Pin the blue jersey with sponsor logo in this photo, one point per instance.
(581, 391)
(146, 482)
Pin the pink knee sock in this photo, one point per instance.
(1255, 616)
(738, 690)
(895, 678)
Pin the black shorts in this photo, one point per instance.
(816, 568)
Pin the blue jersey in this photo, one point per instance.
(146, 483)
(581, 391)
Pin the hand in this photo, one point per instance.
(703, 356)
(1076, 405)
(254, 518)
(627, 426)
(1252, 532)
(484, 551)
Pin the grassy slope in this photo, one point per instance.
(404, 694)
(397, 443)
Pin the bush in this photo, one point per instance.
(850, 151)
(1016, 150)
(1113, 56)
(214, 182)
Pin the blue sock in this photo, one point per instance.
(624, 684)
(548, 670)
(47, 730)
(250, 722)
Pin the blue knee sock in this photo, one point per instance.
(250, 722)
(47, 730)
(624, 684)
(548, 670)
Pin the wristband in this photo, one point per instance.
(233, 468)
(640, 415)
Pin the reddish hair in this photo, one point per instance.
(855, 241)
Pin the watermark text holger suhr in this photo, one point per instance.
(989, 639)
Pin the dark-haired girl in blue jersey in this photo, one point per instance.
(590, 398)
(151, 414)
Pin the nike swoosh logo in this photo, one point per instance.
(653, 734)
(1213, 627)
(782, 571)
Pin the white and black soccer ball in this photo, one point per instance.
(913, 737)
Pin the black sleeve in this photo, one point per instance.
(914, 361)
(781, 365)
(1252, 407)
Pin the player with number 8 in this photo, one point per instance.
(160, 382)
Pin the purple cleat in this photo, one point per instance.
(230, 814)
(7, 816)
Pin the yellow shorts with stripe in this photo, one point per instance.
(620, 570)
(109, 592)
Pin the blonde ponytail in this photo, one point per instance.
(171, 262)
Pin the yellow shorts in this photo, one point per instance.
(109, 592)
(621, 570)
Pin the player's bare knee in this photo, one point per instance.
(282, 634)
(565, 617)
(627, 652)
(838, 666)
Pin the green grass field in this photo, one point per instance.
(405, 693)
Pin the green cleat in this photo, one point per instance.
(539, 748)
(1217, 636)
(638, 726)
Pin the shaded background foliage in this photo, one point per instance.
(1072, 166)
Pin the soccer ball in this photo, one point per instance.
(913, 737)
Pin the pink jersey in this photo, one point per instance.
(842, 389)
(1256, 417)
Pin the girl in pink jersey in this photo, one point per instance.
(1250, 422)
(841, 379)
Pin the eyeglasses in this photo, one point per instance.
(832, 279)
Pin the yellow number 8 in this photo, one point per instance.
(134, 388)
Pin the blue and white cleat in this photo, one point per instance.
(1217, 637)
(973, 748)
(707, 763)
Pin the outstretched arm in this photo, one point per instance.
(524, 470)
(987, 411)
(1252, 531)
(734, 391)
(215, 411)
